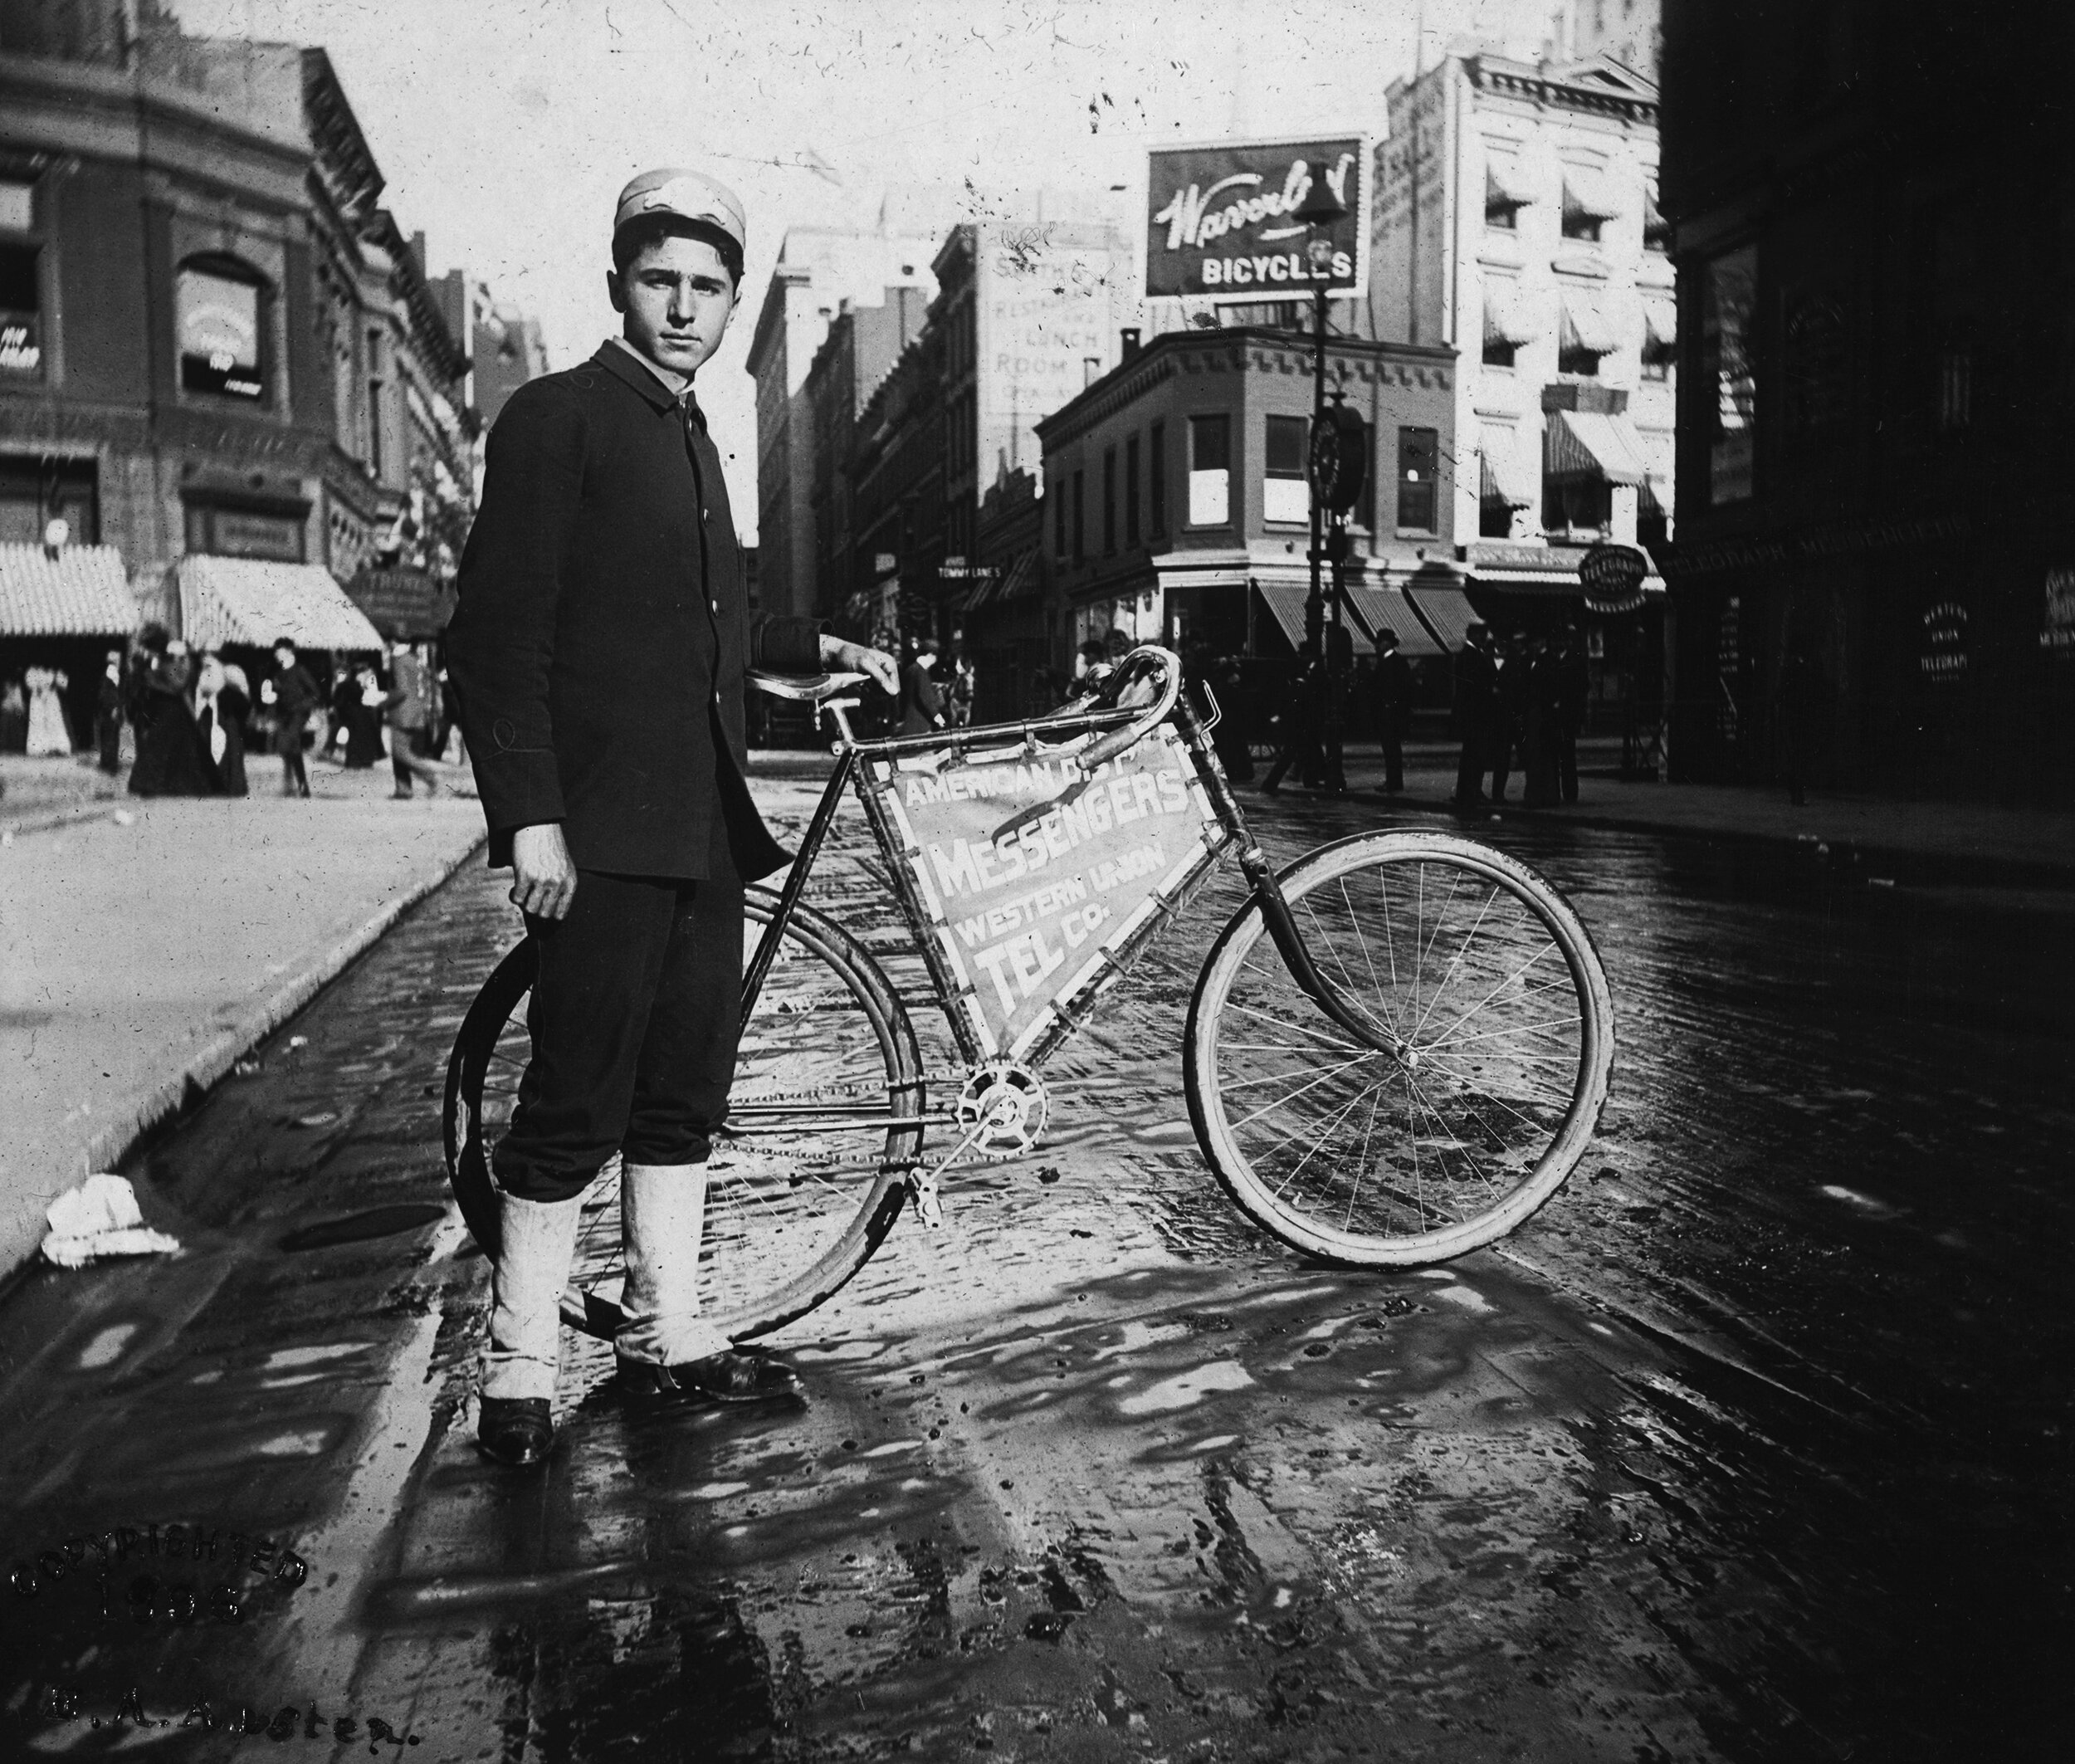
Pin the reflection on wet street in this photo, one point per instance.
(1753, 1444)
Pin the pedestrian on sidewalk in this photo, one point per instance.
(1573, 690)
(220, 706)
(922, 699)
(1390, 698)
(601, 594)
(291, 695)
(1476, 711)
(108, 714)
(1233, 738)
(407, 709)
(1299, 725)
(171, 759)
(1510, 698)
(49, 736)
(1544, 694)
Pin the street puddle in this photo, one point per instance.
(360, 1227)
(1187, 1388)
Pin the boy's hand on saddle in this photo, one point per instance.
(884, 672)
(543, 876)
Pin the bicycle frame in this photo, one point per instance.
(867, 766)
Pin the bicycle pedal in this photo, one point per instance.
(929, 1206)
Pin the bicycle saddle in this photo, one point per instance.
(808, 688)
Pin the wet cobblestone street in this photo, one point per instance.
(1754, 1444)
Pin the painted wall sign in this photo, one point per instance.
(1943, 658)
(1221, 220)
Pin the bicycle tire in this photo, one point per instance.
(854, 1224)
(1526, 1091)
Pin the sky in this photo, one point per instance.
(506, 128)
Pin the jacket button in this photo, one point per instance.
(716, 606)
(705, 513)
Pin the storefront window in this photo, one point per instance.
(218, 317)
(1728, 301)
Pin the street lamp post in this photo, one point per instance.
(1320, 212)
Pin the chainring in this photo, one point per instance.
(1005, 1105)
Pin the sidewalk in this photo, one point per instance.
(1919, 840)
(140, 956)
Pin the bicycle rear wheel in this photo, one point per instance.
(1488, 990)
(810, 1173)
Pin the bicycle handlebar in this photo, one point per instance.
(1146, 656)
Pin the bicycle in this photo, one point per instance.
(1396, 1049)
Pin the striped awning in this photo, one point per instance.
(256, 602)
(1380, 607)
(1590, 192)
(1286, 601)
(1591, 444)
(83, 591)
(1444, 609)
(1660, 321)
(1503, 320)
(1500, 475)
(1586, 326)
(1506, 184)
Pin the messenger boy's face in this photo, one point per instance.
(676, 299)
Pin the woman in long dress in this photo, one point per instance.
(219, 705)
(171, 759)
(48, 735)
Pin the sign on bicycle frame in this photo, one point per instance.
(1039, 881)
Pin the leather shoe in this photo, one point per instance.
(726, 1377)
(515, 1431)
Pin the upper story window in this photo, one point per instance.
(218, 305)
(1058, 494)
(1418, 473)
(21, 282)
(1109, 501)
(1585, 336)
(1506, 194)
(1210, 470)
(1589, 203)
(1080, 512)
(1729, 293)
(1505, 330)
(1131, 491)
(1285, 494)
(1660, 339)
(1156, 478)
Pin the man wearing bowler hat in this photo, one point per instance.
(598, 654)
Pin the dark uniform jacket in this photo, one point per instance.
(603, 626)
(1477, 683)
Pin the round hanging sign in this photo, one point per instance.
(1612, 578)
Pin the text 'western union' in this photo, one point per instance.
(978, 865)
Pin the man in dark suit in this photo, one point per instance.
(1392, 699)
(1476, 712)
(598, 654)
(922, 707)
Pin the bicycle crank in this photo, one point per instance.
(1003, 1107)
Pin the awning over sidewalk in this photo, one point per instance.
(1444, 610)
(251, 600)
(1287, 600)
(1384, 607)
(83, 591)
(1582, 443)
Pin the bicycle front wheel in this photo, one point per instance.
(1499, 1028)
(806, 1180)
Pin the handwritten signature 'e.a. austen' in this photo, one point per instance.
(1192, 220)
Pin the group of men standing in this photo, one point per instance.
(1521, 698)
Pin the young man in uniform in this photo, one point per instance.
(597, 655)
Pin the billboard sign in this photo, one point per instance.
(1221, 219)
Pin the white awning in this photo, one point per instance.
(1591, 444)
(1502, 319)
(1590, 192)
(1586, 326)
(1506, 184)
(81, 592)
(1661, 321)
(1660, 448)
(1500, 475)
(252, 600)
